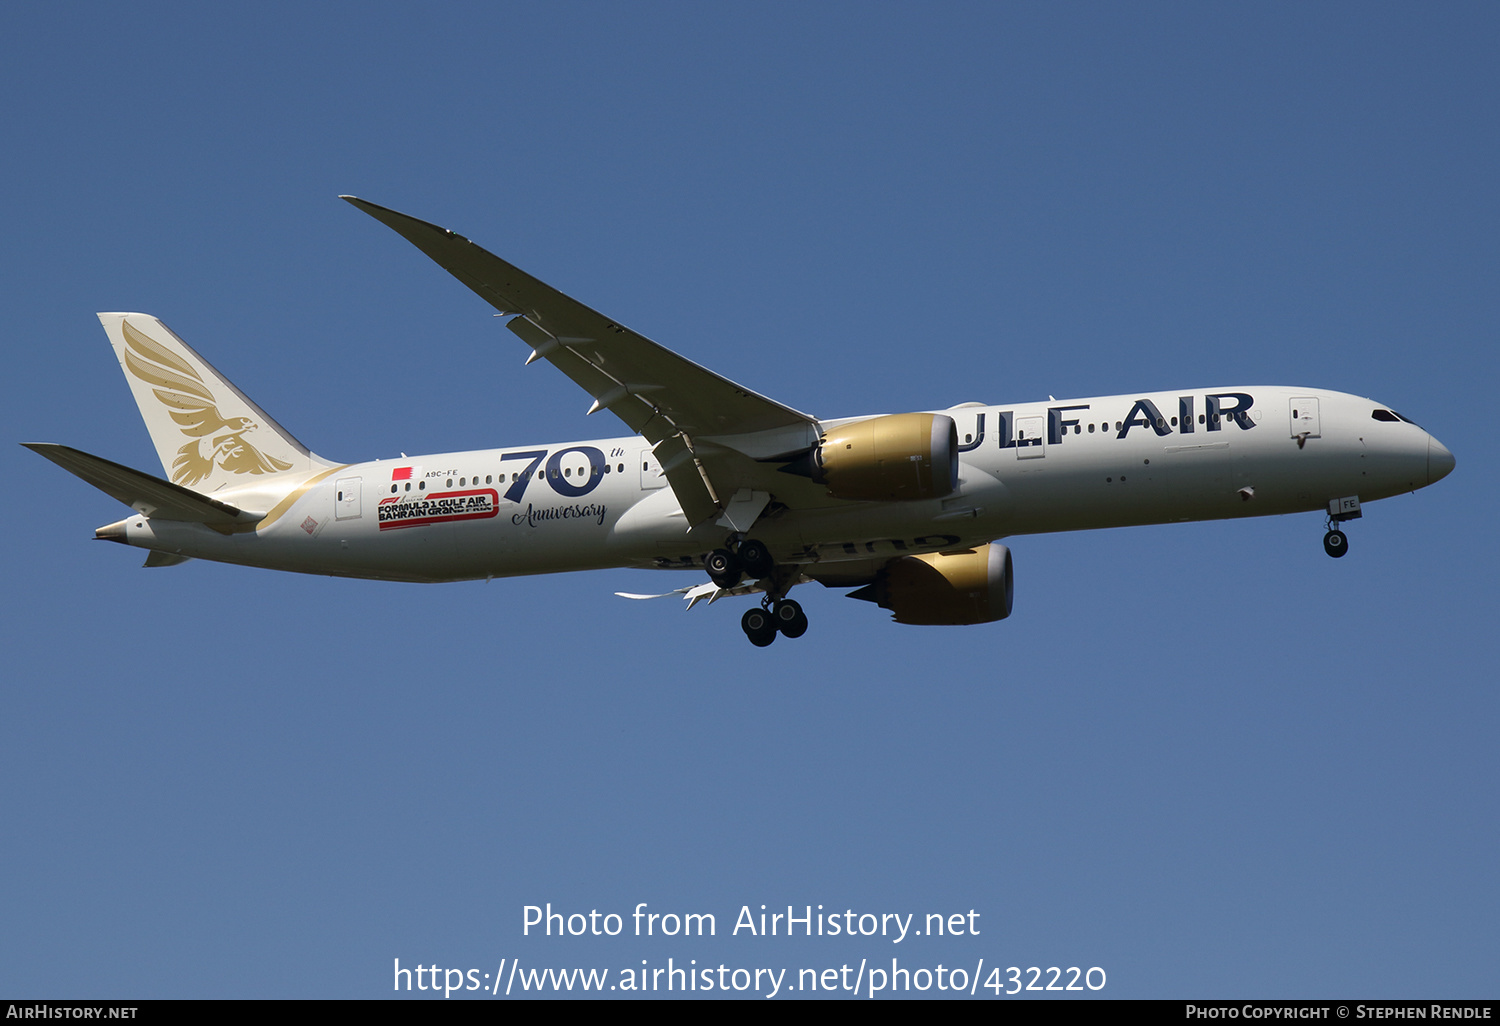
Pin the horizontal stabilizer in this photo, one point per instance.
(165, 559)
(697, 593)
(145, 494)
(712, 592)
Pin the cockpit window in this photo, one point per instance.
(1393, 417)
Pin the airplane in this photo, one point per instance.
(906, 509)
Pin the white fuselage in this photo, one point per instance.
(1025, 468)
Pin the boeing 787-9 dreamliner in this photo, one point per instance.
(907, 509)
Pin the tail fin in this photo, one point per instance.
(207, 433)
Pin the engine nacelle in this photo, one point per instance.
(902, 456)
(973, 586)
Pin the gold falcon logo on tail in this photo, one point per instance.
(213, 440)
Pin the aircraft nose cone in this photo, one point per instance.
(1440, 461)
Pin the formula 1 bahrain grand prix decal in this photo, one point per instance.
(481, 504)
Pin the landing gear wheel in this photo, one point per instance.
(758, 627)
(723, 568)
(756, 559)
(789, 618)
(1335, 543)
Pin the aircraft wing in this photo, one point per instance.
(671, 401)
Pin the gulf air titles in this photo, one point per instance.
(906, 508)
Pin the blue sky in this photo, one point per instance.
(1204, 758)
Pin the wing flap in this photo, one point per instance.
(161, 500)
(690, 483)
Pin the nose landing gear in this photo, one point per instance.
(1335, 542)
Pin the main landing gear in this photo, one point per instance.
(782, 616)
(776, 614)
(724, 568)
(752, 558)
(1335, 542)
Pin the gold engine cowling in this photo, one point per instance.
(903, 456)
(973, 586)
